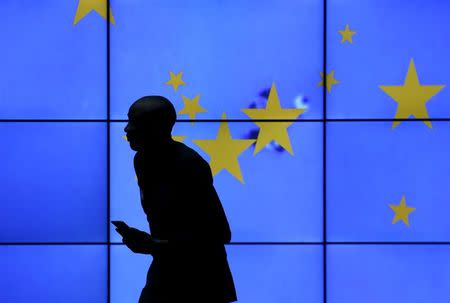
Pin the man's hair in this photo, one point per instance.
(156, 110)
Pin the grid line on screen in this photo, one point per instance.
(239, 120)
(108, 148)
(336, 243)
(324, 155)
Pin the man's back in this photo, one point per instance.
(182, 206)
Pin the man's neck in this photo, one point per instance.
(157, 147)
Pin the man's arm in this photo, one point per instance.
(141, 242)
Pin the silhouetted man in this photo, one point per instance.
(187, 222)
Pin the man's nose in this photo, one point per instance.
(126, 128)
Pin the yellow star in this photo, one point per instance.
(224, 151)
(347, 35)
(411, 96)
(175, 80)
(330, 80)
(86, 6)
(176, 138)
(191, 107)
(276, 131)
(401, 212)
(179, 138)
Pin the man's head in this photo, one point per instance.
(150, 122)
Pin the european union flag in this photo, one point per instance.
(387, 180)
(372, 44)
(223, 53)
(280, 192)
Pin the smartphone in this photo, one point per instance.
(120, 225)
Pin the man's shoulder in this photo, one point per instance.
(180, 155)
(187, 155)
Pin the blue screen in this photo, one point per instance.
(51, 69)
(52, 273)
(388, 34)
(53, 178)
(372, 166)
(387, 273)
(268, 194)
(128, 274)
(261, 273)
(229, 52)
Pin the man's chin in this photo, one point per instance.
(133, 147)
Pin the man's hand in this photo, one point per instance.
(137, 241)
